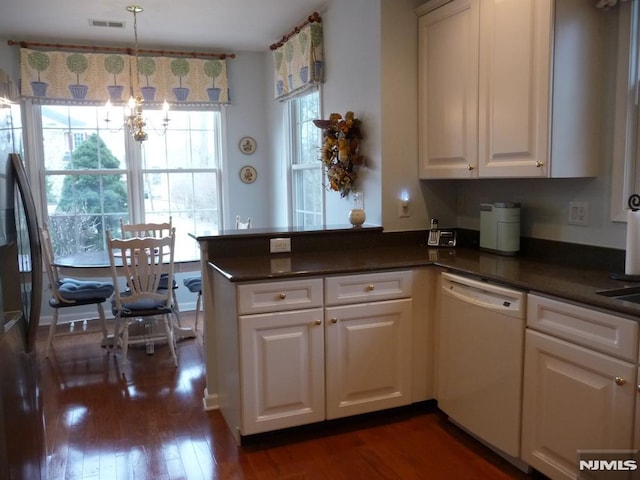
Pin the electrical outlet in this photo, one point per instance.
(578, 213)
(279, 245)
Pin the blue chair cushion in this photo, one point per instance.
(72, 289)
(164, 281)
(194, 284)
(140, 308)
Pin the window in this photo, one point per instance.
(307, 199)
(626, 154)
(94, 176)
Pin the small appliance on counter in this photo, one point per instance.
(440, 238)
(500, 227)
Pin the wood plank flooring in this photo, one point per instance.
(106, 420)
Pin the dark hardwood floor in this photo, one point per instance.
(145, 420)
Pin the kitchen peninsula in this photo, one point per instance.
(334, 273)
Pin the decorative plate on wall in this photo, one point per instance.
(248, 174)
(247, 145)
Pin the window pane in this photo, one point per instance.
(89, 180)
(83, 198)
(189, 142)
(181, 176)
(306, 166)
(308, 196)
(308, 135)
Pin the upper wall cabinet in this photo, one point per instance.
(510, 88)
(448, 90)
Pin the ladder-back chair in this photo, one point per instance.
(240, 225)
(141, 263)
(153, 230)
(70, 292)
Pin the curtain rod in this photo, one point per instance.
(313, 18)
(127, 50)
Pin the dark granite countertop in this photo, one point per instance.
(572, 282)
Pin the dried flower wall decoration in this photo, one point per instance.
(341, 151)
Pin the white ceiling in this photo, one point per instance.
(225, 26)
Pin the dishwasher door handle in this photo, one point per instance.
(487, 296)
(497, 306)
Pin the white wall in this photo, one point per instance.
(352, 82)
(399, 115)
(247, 116)
(278, 197)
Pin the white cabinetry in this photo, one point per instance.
(579, 384)
(448, 89)
(537, 68)
(281, 355)
(284, 360)
(368, 342)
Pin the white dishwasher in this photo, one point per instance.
(480, 350)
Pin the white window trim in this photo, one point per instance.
(626, 150)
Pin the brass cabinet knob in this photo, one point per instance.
(283, 296)
(620, 381)
(334, 320)
(469, 167)
(539, 164)
(318, 322)
(370, 287)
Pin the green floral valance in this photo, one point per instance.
(98, 77)
(298, 61)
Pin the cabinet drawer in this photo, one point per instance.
(367, 287)
(594, 329)
(278, 296)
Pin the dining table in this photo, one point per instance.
(96, 264)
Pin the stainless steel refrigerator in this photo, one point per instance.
(22, 438)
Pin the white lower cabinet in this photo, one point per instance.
(576, 398)
(368, 357)
(282, 369)
(307, 364)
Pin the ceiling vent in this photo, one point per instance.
(106, 23)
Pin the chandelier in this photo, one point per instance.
(134, 120)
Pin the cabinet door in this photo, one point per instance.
(368, 357)
(282, 370)
(448, 90)
(514, 85)
(574, 399)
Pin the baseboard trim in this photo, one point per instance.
(210, 402)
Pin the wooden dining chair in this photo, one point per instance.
(70, 292)
(194, 285)
(153, 230)
(141, 263)
(240, 225)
